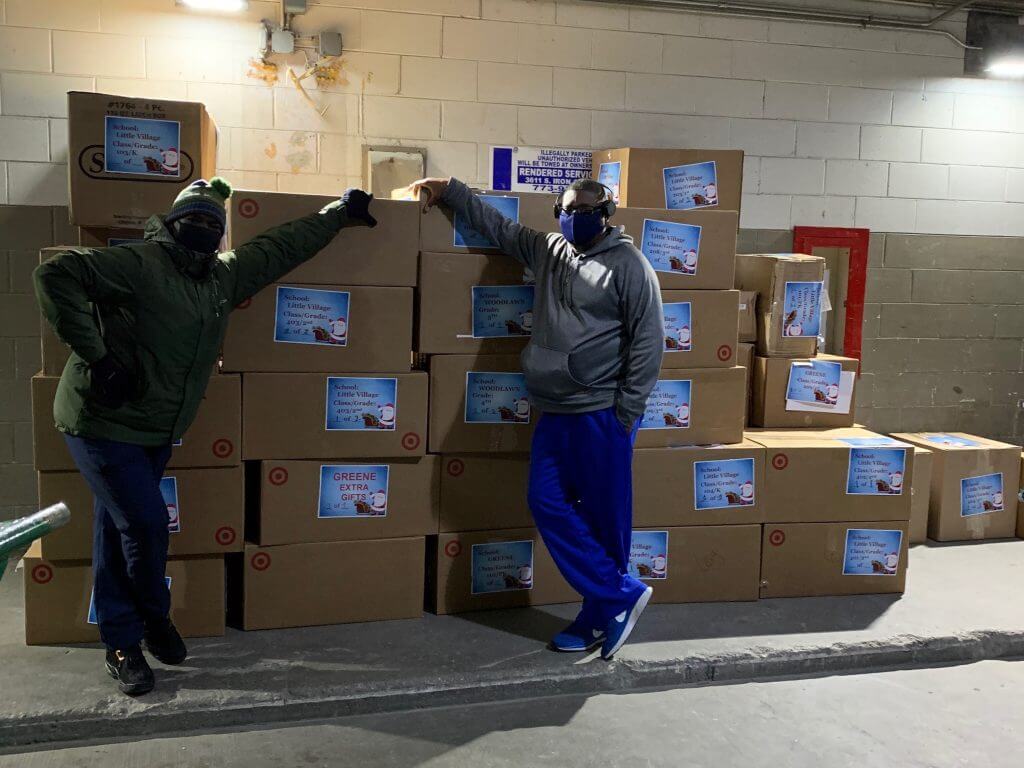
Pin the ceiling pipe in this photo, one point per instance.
(818, 16)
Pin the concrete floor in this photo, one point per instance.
(940, 718)
(963, 604)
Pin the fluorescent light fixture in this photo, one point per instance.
(1007, 66)
(222, 6)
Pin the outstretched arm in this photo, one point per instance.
(527, 245)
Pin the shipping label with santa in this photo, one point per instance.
(876, 471)
(610, 174)
(496, 398)
(503, 566)
(648, 555)
(801, 309)
(691, 186)
(353, 490)
(678, 327)
(361, 404)
(815, 382)
(141, 146)
(723, 484)
(467, 237)
(671, 246)
(501, 311)
(981, 495)
(668, 406)
(308, 316)
(169, 490)
(871, 552)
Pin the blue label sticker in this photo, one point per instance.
(503, 566)
(872, 552)
(648, 555)
(610, 174)
(177, 443)
(678, 327)
(941, 438)
(670, 246)
(871, 442)
(361, 404)
(467, 237)
(169, 490)
(91, 618)
(501, 311)
(876, 471)
(141, 146)
(801, 309)
(310, 316)
(723, 484)
(668, 406)
(496, 398)
(981, 495)
(691, 186)
(815, 381)
(353, 490)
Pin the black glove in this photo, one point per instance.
(111, 385)
(357, 206)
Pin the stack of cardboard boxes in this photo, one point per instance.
(130, 157)
(334, 423)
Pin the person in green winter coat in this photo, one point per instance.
(145, 322)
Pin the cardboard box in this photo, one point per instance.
(843, 558)
(329, 328)
(710, 412)
(130, 157)
(484, 493)
(316, 416)
(788, 301)
(206, 514)
(818, 392)
(655, 178)
(920, 491)
(455, 288)
(514, 569)
(385, 255)
(58, 598)
(973, 488)
(478, 404)
(817, 479)
(339, 582)
(1020, 502)
(705, 563)
(104, 237)
(689, 250)
(310, 501)
(698, 485)
(700, 329)
(745, 357)
(213, 440)
(748, 316)
(438, 226)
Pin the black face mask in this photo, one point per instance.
(197, 238)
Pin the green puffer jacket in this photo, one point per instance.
(139, 302)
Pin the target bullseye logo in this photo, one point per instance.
(780, 461)
(410, 441)
(453, 548)
(776, 538)
(244, 304)
(724, 352)
(260, 561)
(456, 467)
(42, 574)
(278, 476)
(225, 536)
(223, 448)
(248, 208)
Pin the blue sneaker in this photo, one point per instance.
(622, 625)
(578, 637)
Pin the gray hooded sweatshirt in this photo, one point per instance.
(598, 332)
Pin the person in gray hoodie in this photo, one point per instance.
(593, 359)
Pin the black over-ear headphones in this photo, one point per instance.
(606, 204)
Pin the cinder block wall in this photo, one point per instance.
(842, 127)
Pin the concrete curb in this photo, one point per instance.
(904, 651)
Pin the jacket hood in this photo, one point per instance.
(156, 231)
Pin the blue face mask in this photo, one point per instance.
(580, 228)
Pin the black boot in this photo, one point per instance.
(165, 644)
(131, 670)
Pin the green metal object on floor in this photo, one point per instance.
(17, 534)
